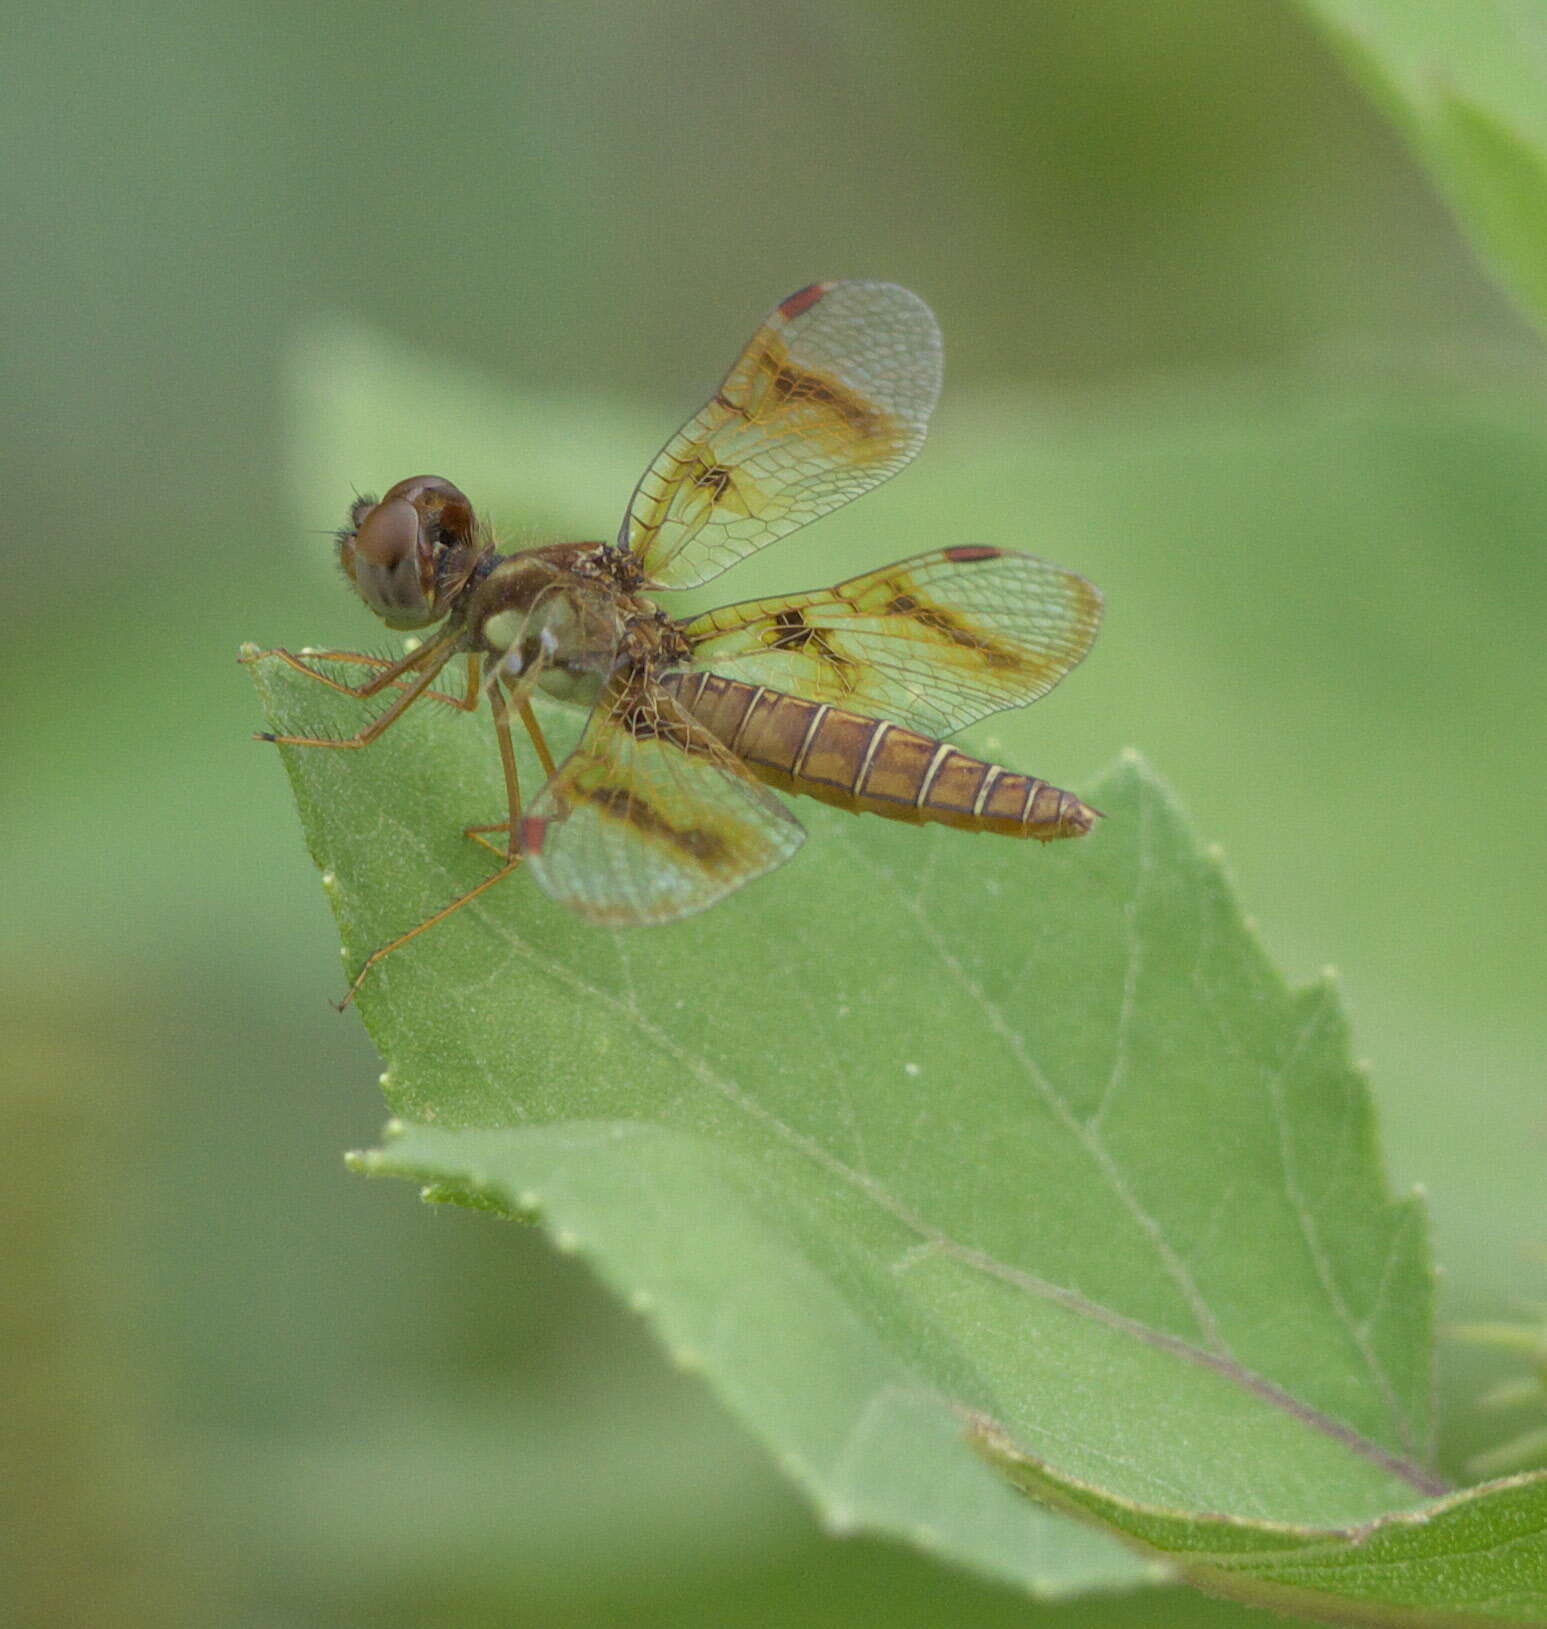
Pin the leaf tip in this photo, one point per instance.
(1130, 770)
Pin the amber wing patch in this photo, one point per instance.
(650, 818)
(933, 643)
(830, 398)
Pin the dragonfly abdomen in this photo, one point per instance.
(868, 765)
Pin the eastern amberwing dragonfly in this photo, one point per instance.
(840, 693)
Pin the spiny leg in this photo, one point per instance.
(388, 672)
(535, 730)
(477, 835)
(466, 702)
(474, 687)
(523, 709)
(429, 922)
(383, 721)
(501, 712)
(510, 860)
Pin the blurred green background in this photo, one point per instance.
(1211, 340)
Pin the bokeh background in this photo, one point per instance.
(1211, 339)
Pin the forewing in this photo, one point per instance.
(831, 397)
(934, 643)
(650, 818)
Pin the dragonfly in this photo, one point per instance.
(845, 694)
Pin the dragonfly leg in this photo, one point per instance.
(477, 835)
(523, 708)
(507, 854)
(384, 720)
(388, 673)
(535, 730)
(429, 922)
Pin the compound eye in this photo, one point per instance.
(448, 516)
(391, 562)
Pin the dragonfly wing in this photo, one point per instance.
(830, 398)
(650, 818)
(934, 643)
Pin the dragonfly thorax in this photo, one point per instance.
(543, 624)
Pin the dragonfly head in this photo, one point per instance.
(410, 554)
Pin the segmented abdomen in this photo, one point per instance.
(871, 766)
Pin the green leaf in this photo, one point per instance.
(1478, 1557)
(930, 1141)
(1466, 81)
